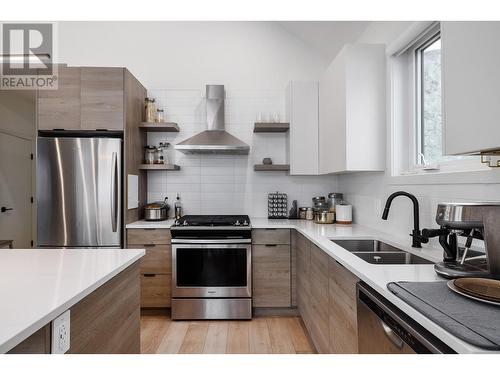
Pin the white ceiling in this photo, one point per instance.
(327, 37)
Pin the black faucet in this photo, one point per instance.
(417, 238)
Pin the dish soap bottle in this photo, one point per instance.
(178, 207)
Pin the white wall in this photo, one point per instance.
(175, 60)
(191, 54)
(227, 184)
(368, 191)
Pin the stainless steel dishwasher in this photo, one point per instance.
(384, 329)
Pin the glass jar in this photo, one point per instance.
(150, 109)
(333, 200)
(160, 117)
(303, 213)
(309, 213)
(149, 155)
(162, 153)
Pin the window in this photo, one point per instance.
(417, 118)
(429, 136)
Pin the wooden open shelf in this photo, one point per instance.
(271, 167)
(160, 167)
(159, 127)
(271, 127)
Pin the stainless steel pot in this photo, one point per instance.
(324, 217)
(156, 211)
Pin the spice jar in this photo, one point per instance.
(149, 154)
(303, 213)
(150, 109)
(160, 117)
(161, 157)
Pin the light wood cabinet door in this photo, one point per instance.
(60, 109)
(343, 325)
(303, 279)
(102, 98)
(319, 299)
(156, 290)
(271, 276)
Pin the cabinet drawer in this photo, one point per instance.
(156, 290)
(158, 259)
(271, 236)
(148, 236)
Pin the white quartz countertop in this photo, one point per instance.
(376, 276)
(37, 285)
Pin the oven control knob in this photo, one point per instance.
(185, 223)
(237, 223)
(245, 223)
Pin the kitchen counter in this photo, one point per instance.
(39, 285)
(376, 276)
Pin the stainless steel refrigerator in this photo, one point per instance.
(79, 192)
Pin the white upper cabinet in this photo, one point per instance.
(471, 86)
(352, 111)
(302, 112)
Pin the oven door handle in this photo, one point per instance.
(185, 246)
(226, 241)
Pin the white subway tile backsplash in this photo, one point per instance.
(227, 184)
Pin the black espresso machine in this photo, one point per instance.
(478, 221)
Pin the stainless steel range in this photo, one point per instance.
(211, 267)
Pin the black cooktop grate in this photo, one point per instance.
(213, 220)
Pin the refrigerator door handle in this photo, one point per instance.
(114, 191)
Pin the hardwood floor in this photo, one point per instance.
(261, 335)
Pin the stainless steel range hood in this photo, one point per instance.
(214, 140)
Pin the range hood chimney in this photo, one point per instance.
(214, 140)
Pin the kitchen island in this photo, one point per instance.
(100, 287)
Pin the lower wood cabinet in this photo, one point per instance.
(156, 290)
(271, 282)
(303, 250)
(326, 298)
(319, 299)
(343, 326)
(156, 265)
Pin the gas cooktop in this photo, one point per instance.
(213, 221)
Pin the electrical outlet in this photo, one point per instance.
(60, 333)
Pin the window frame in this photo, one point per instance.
(415, 162)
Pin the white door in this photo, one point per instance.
(15, 190)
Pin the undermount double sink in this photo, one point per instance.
(378, 252)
